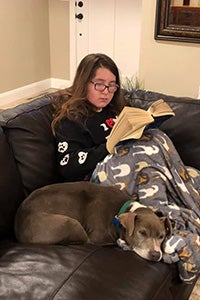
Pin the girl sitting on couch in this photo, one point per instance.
(150, 166)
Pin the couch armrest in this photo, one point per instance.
(28, 131)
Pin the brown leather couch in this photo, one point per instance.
(77, 272)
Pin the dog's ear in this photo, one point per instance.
(127, 220)
(168, 226)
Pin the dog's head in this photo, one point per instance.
(144, 232)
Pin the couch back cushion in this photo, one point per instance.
(183, 129)
(11, 190)
(28, 130)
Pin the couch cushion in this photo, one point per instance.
(81, 273)
(28, 130)
(183, 129)
(11, 191)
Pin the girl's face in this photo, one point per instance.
(96, 94)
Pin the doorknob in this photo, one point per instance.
(79, 16)
(80, 3)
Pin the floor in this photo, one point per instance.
(196, 291)
(31, 97)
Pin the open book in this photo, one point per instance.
(132, 121)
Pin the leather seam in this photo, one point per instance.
(71, 274)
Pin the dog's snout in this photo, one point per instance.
(155, 255)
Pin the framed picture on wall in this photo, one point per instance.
(177, 22)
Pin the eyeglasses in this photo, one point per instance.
(101, 87)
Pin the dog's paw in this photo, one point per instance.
(122, 244)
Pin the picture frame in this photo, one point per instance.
(177, 23)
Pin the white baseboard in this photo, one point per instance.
(198, 96)
(59, 83)
(31, 89)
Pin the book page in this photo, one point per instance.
(130, 124)
(132, 121)
(160, 108)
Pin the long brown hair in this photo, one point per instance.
(72, 102)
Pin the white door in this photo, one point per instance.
(112, 27)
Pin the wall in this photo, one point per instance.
(24, 47)
(59, 38)
(168, 67)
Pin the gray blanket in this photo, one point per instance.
(152, 168)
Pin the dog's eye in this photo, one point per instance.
(161, 237)
(143, 232)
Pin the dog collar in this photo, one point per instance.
(122, 210)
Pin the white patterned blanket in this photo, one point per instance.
(152, 168)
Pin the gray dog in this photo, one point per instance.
(82, 212)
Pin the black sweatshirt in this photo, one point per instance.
(82, 145)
